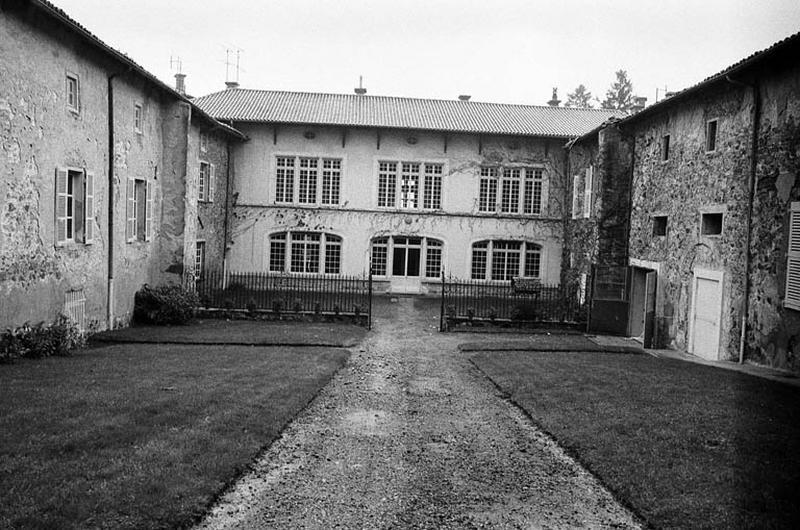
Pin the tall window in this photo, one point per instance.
(139, 226)
(205, 190)
(503, 260)
(420, 185)
(200, 258)
(307, 252)
(331, 180)
(73, 93)
(307, 180)
(307, 187)
(711, 135)
(74, 206)
(519, 190)
(406, 256)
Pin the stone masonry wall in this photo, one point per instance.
(692, 181)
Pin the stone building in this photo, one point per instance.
(101, 172)
(328, 183)
(697, 192)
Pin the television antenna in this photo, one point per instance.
(232, 64)
(176, 64)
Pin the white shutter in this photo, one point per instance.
(61, 205)
(148, 211)
(130, 225)
(587, 193)
(212, 170)
(88, 229)
(792, 299)
(576, 194)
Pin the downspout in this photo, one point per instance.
(751, 201)
(228, 174)
(110, 288)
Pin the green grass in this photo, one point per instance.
(142, 436)
(684, 445)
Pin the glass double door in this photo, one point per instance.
(406, 258)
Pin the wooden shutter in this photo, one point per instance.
(212, 170)
(61, 205)
(587, 193)
(88, 205)
(792, 299)
(130, 225)
(148, 211)
(576, 194)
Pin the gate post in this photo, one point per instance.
(369, 310)
(441, 308)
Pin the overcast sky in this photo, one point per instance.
(510, 51)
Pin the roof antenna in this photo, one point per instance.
(361, 90)
(176, 64)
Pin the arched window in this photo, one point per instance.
(305, 252)
(406, 256)
(502, 260)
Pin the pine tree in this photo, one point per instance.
(620, 95)
(581, 98)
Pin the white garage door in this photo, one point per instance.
(707, 310)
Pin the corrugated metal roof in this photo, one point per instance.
(245, 105)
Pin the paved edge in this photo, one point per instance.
(505, 396)
(127, 340)
(523, 346)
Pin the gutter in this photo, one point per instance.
(750, 201)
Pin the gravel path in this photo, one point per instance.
(410, 435)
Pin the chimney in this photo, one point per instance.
(361, 90)
(231, 84)
(464, 97)
(638, 104)
(180, 83)
(555, 102)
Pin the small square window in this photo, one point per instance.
(711, 224)
(137, 118)
(665, 147)
(73, 93)
(711, 135)
(659, 225)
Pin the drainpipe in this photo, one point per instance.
(228, 174)
(110, 289)
(751, 200)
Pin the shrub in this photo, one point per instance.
(525, 311)
(492, 313)
(165, 304)
(277, 306)
(297, 305)
(42, 340)
(317, 308)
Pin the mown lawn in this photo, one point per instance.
(142, 436)
(684, 445)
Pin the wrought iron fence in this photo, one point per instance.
(522, 301)
(284, 293)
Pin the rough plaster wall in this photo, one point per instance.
(581, 233)
(774, 332)
(680, 188)
(37, 134)
(170, 216)
(211, 215)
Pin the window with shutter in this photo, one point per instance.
(587, 192)
(576, 197)
(62, 175)
(130, 225)
(148, 211)
(88, 229)
(792, 299)
(212, 175)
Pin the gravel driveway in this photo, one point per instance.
(410, 435)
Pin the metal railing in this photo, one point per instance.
(520, 302)
(281, 293)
